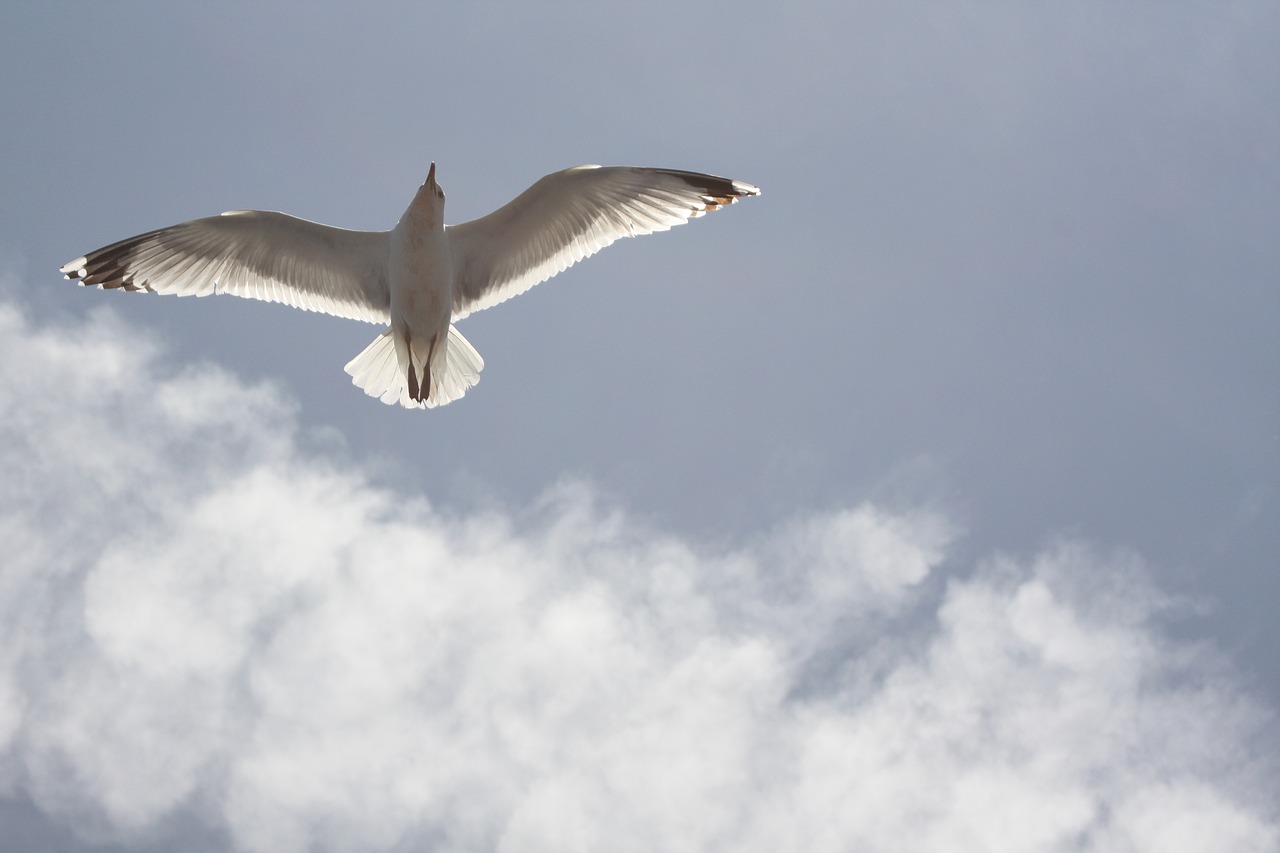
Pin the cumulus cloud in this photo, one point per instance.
(203, 617)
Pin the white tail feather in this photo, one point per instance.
(380, 371)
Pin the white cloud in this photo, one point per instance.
(201, 616)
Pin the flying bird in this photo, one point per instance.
(420, 277)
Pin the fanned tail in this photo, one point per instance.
(381, 371)
(461, 370)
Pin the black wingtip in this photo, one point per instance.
(108, 268)
(715, 190)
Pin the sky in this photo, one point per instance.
(930, 500)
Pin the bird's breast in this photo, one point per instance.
(422, 280)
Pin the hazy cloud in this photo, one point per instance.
(203, 614)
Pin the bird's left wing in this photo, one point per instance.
(252, 253)
(568, 216)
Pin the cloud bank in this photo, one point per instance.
(204, 615)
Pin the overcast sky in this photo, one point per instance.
(929, 501)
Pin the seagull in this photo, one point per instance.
(417, 279)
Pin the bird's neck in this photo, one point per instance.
(424, 213)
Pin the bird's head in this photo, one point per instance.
(428, 204)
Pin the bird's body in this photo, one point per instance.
(421, 284)
(418, 278)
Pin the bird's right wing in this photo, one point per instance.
(568, 216)
(255, 254)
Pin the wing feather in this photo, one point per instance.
(255, 254)
(571, 215)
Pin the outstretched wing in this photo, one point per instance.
(255, 254)
(571, 215)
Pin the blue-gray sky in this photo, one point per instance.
(975, 411)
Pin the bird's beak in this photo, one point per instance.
(431, 175)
